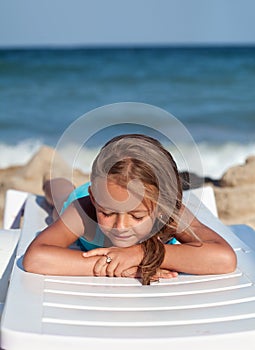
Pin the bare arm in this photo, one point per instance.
(49, 252)
(211, 255)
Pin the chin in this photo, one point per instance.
(121, 244)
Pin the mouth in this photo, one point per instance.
(121, 236)
(114, 234)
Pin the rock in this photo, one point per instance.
(234, 192)
(29, 178)
(190, 180)
(235, 195)
(235, 204)
(240, 175)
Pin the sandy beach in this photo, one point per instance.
(234, 191)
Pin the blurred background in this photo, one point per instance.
(194, 58)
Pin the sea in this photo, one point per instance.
(210, 91)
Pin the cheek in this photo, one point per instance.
(144, 227)
(143, 231)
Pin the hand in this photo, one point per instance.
(122, 260)
(164, 273)
(161, 273)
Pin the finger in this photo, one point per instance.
(95, 252)
(131, 272)
(100, 267)
(166, 274)
(111, 269)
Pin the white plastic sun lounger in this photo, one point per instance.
(9, 237)
(188, 312)
(8, 244)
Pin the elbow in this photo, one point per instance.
(31, 262)
(229, 261)
(28, 263)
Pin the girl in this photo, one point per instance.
(127, 220)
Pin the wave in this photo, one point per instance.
(18, 154)
(215, 158)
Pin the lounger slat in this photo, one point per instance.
(223, 297)
(139, 292)
(143, 318)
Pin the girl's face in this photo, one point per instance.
(123, 219)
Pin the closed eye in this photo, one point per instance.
(107, 215)
(138, 218)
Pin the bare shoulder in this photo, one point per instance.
(64, 231)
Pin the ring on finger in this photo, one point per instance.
(108, 259)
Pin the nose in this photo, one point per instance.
(121, 222)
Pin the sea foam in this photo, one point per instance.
(215, 158)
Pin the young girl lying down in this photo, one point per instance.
(127, 221)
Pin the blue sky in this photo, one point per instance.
(126, 22)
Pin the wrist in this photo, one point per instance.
(137, 253)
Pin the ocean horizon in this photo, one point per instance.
(210, 90)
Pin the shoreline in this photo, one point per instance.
(234, 191)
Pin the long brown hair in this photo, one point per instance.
(139, 157)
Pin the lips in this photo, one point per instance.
(121, 237)
(116, 235)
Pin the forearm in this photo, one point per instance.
(196, 258)
(52, 260)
